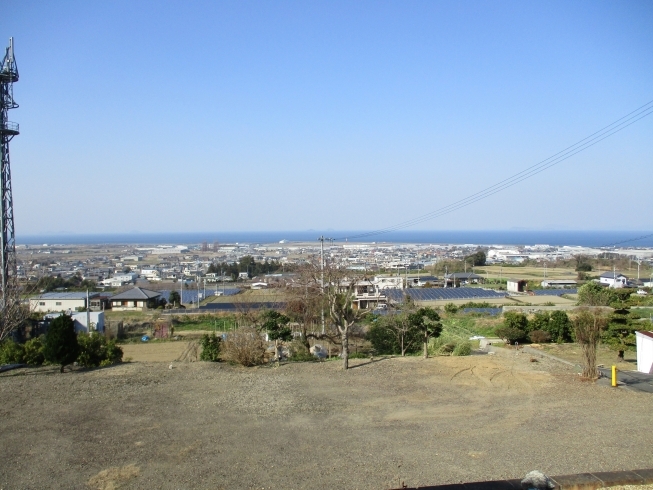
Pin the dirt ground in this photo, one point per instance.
(312, 425)
(154, 351)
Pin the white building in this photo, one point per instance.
(120, 279)
(80, 320)
(644, 352)
(559, 283)
(150, 274)
(613, 279)
(59, 301)
(393, 282)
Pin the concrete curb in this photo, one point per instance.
(528, 350)
(531, 350)
(580, 481)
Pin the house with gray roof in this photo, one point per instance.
(60, 301)
(134, 299)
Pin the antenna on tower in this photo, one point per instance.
(9, 300)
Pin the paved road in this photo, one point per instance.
(631, 379)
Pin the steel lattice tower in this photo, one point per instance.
(8, 75)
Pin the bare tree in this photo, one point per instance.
(305, 300)
(343, 314)
(13, 314)
(588, 325)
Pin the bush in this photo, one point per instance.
(446, 344)
(451, 308)
(515, 321)
(383, 339)
(539, 336)
(540, 321)
(560, 327)
(33, 352)
(96, 350)
(299, 352)
(60, 345)
(358, 355)
(462, 349)
(11, 352)
(244, 346)
(210, 348)
(509, 334)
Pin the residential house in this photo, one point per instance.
(461, 278)
(613, 279)
(134, 299)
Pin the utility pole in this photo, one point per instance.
(321, 240)
(88, 312)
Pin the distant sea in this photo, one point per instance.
(478, 237)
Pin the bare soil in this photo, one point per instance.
(312, 425)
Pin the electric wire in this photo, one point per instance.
(587, 142)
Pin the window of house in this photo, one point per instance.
(58, 303)
(41, 303)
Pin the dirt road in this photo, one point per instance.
(311, 425)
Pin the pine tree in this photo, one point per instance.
(61, 346)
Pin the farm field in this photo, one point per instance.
(380, 425)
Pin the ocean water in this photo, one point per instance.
(594, 238)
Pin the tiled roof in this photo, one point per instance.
(136, 294)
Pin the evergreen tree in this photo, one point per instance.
(61, 346)
(620, 333)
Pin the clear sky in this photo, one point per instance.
(206, 116)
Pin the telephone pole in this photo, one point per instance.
(321, 240)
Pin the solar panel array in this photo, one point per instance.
(554, 292)
(190, 295)
(436, 294)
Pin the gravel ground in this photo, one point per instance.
(311, 425)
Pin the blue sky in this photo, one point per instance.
(208, 116)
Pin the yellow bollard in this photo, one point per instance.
(614, 376)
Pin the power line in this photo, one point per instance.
(591, 140)
(627, 241)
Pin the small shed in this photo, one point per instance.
(644, 352)
(516, 285)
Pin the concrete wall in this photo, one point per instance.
(45, 305)
(644, 353)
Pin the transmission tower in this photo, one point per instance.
(8, 75)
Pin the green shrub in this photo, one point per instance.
(33, 352)
(446, 344)
(560, 327)
(462, 349)
(358, 355)
(210, 348)
(96, 350)
(451, 308)
(515, 320)
(383, 339)
(11, 352)
(299, 352)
